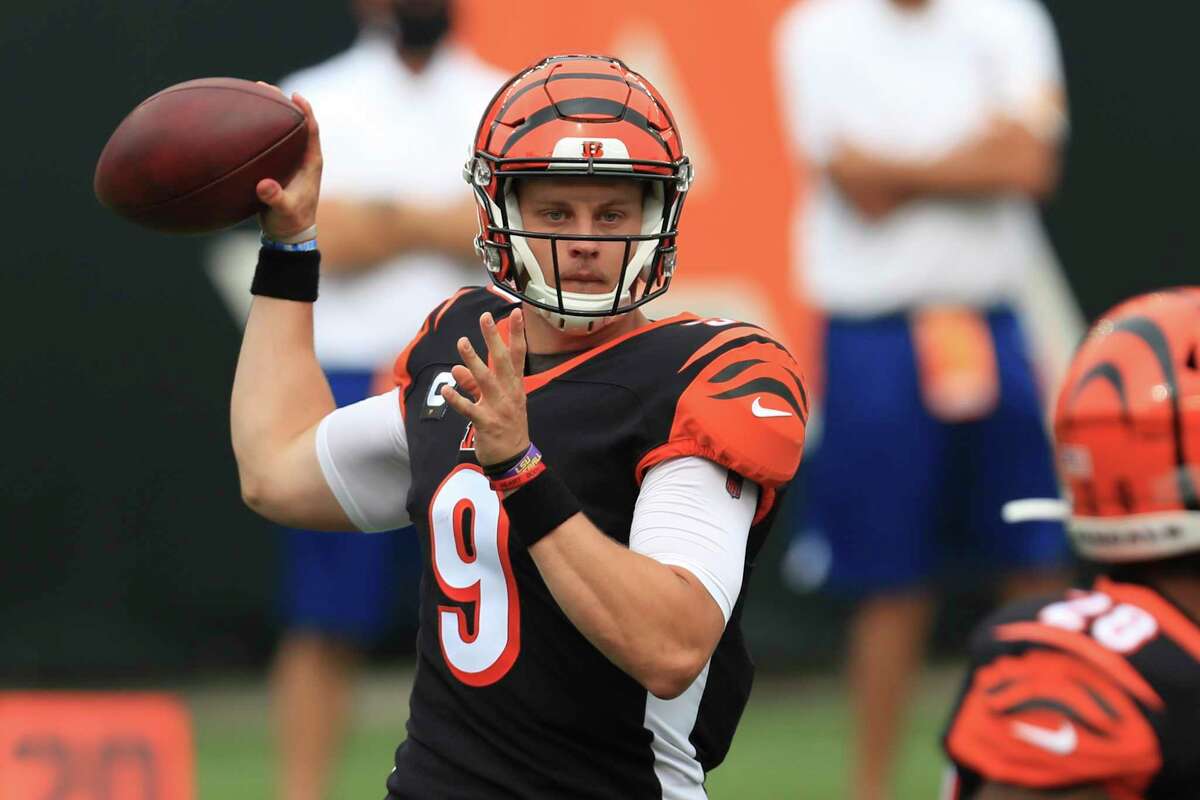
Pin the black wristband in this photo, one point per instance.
(540, 506)
(287, 275)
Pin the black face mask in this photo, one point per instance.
(422, 27)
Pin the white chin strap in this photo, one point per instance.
(538, 289)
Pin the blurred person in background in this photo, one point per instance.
(397, 226)
(932, 128)
(1095, 695)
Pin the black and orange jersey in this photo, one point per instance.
(510, 699)
(1089, 688)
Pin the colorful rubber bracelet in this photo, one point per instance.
(498, 469)
(526, 468)
(512, 466)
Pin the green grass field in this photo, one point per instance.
(792, 742)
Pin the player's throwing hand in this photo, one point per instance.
(498, 411)
(293, 209)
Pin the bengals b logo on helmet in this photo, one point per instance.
(1127, 430)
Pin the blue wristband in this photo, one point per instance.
(298, 247)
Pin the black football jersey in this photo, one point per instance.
(509, 699)
(1089, 688)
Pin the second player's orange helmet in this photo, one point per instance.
(578, 115)
(1127, 431)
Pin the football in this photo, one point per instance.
(187, 159)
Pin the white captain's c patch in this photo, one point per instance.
(435, 404)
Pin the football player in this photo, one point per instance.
(1095, 695)
(590, 487)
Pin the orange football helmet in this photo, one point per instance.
(578, 115)
(1127, 431)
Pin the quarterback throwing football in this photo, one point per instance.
(590, 487)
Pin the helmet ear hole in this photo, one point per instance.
(1190, 362)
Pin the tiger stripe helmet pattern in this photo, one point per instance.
(1127, 430)
(578, 115)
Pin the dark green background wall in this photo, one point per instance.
(125, 544)
(126, 550)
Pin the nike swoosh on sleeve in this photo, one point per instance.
(1062, 741)
(759, 410)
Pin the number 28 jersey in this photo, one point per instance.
(1091, 688)
(509, 698)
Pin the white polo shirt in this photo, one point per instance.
(912, 84)
(389, 134)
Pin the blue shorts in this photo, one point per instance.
(348, 585)
(902, 498)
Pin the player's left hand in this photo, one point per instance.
(498, 409)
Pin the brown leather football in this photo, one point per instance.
(188, 158)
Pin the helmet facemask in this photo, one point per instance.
(648, 261)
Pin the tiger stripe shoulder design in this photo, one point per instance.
(1095, 687)
(729, 392)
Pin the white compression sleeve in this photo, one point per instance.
(685, 517)
(363, 450)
